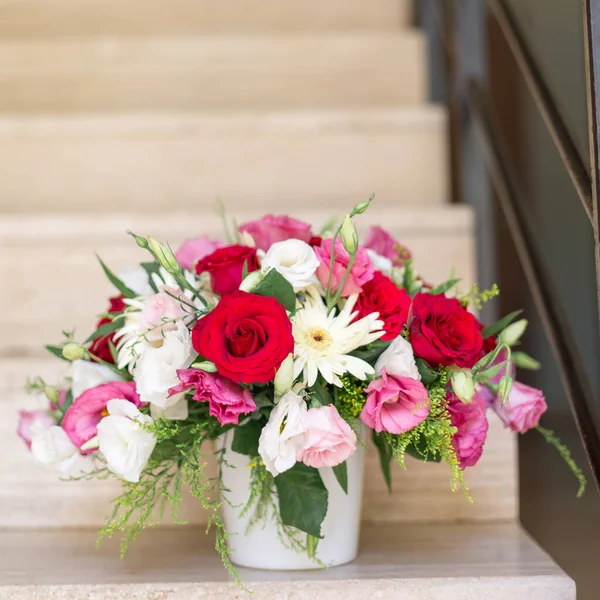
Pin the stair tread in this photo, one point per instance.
(495, 561)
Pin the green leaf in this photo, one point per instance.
(419, 451)
(371, 352)
(104, 330)
(151, 268)
(245, 438)
(276, 285)
(385, 457)
(490, 373)
(68, 400)
(410, 280)
(321, 396)
(524, 361)
(428, 375)
(113, 352)
(341, 474)
(57, 351)
(498, 326)
(444, 287)
(128, 293)
(302, 498)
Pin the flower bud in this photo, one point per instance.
(524, 361)
(73, 351)
(251, 281)
(141, 241)
(504, 387)
(284, 378)
(513, 333)
(349, 235)
(463, 385)
(91, 444)
(361, 207)
(205, 365)
(164, 255)
(52, 394)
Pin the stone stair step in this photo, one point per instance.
(156, 161)
(408, 561)
(213, 72)
(58, 18)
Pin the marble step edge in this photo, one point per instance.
(414, 562)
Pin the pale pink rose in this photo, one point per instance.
(361, 272)
(226, 399)
(159, 312)
(270, 229)
(380, 241)
(329, 439)
(523, 408)
(395, 404)
(29, 418)
(82, 417)
(191, 251)
(472, 426)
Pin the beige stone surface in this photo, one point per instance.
(213, 72)
(412, 562)
(265, 161)
(56, 18)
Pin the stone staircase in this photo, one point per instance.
(118, 114)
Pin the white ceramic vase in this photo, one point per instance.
(261, 547)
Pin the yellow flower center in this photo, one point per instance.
(318, 339)
(104, 413)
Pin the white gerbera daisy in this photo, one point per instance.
(322, 342)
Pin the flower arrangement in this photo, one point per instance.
(296, 345)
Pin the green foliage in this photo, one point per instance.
(261, 494)
(444, 287)
(302, 498)
(431, 440)
(566, 455)
(479, 297)
(499, 325)
(276, 285)
(123, 289)
(385, 456)
(428, 375)
(105, 330)
(341, 474)
(409, 279)
(524, 361)
(246, 436)
(151, 268)
(56, 351)
(371, 352)
(351, 398)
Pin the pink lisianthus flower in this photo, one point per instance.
(191, 251)
(361, 272)
(395, 404)
(270, 229)
(30, 418)
(159, 314)
(329, 439)
(82, 417)
(381, 242)
(472, 427)
(226, 399)
(523, 408)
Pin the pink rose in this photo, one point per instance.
(82, 417)
(395, 404)
(380, 241)
(472, 426)
(329, 439)
(191, 251)
(159, 312)
(361, 272)
(29, 418)
(270, 229)
(226, 400)
(523, 408)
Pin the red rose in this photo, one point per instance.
(381, 295)
(246, 336)
(442, 332)
(100, 347)
(226, 266)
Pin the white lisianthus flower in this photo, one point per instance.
(123, 441)
(284, 434)
(295, 260)
(156, 371)
(86, 375)
(380, 263)
(136, 279)
(52, 447)
(399, 359)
